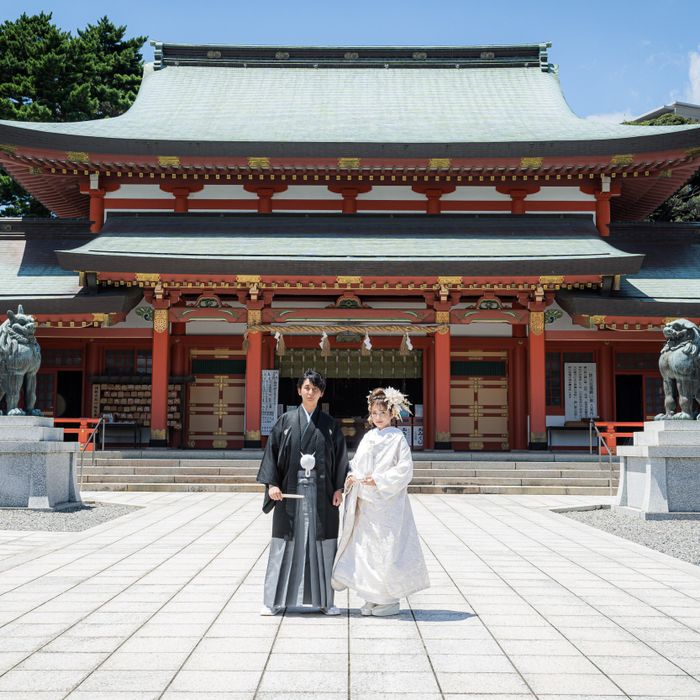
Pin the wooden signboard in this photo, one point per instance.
(580, 391)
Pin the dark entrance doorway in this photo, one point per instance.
(629, 397)
(350, 377)
(69, 393)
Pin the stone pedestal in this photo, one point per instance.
(660, 472)
(37, 469)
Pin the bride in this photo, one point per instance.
(379, 554)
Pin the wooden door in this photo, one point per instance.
(479, 401)
(216, 404)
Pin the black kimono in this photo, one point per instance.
(304, 531)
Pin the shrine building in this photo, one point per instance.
(431, 218)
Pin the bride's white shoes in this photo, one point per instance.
(367, 608)
(385, 610)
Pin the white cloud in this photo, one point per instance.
(610, 117)
(692, 92)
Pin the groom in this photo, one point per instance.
(304, 456)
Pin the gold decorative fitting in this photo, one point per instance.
(6, 148)
(169, 161)
(348, 162)
(449, 280)
(439, 163)
(348, 279)
(666, 173)
(622, 159)
(531, 162)
(252, 435)
(248, 279)
(254, 317)
(219, 444)
(258, 162)
(691, 152)
(33, 170)
(538, 437)
(537, 322)
(157, 433)
(77, 156)
(100, 319)
(442, 317)
(551, 279)
(597, 320)
(148, 278)
(160, 320)
(442, 437)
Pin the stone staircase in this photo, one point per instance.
(504, 473)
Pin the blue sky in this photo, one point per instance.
(616, 58)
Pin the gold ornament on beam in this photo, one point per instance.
(281, 347)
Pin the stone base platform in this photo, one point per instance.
(37, 469)
(660, 472)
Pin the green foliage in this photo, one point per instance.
(684, 205)
(47, 74)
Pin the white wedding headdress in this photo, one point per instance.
(396, 402)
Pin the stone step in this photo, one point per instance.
(213, 470)
(27, 433)
(468, 489)
(470, 465)
(417, 481)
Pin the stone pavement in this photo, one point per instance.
(163, 603)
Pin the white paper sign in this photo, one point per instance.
(268, 409)
(580, 391)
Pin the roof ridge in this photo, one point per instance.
(285, 56)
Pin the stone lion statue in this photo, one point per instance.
(20, 358)
(679, 364)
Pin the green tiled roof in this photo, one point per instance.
(449, 99)
(31, 275)
(668, 283)
(360, 244)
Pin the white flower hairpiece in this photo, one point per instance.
(396, 402)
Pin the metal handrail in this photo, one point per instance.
(92, 438)
(592, 427)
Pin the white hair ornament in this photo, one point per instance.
(396, 402)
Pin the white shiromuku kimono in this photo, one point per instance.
(379, 554)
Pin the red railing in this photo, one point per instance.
(82, 427)
(609, 431)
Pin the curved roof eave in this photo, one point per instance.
(13, 135)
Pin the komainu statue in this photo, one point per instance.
(679, 365)
(20, 358)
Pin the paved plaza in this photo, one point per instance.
(163, 603)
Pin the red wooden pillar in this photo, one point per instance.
(349, 194)
(97, 210)
(441, 381)
(519, 384)
(92, 369)
(517, 201)
(602, 212)
(159, 377)
(96, 191)
(433, 193)
(428, 398)
(178, 365)
(536, 381)
(253, 378)
(606, 382)
(265, 192)
(181, 191)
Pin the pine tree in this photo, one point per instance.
(47, 74)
